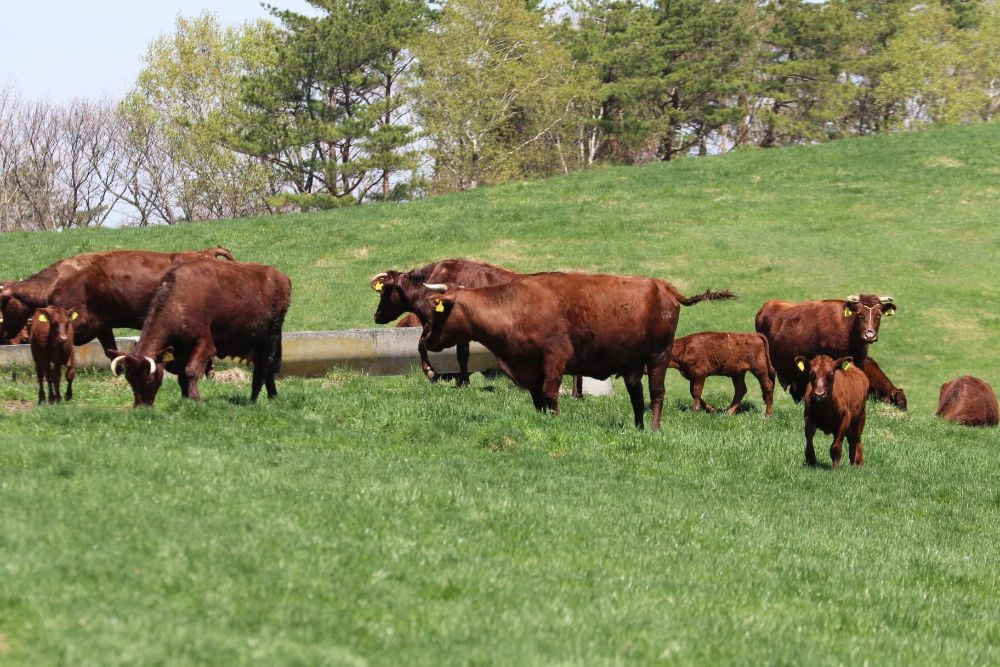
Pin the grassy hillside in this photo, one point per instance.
(913, 216)
(384, 521)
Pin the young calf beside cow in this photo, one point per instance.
(835, 398)
(700, 355)
(51, 341)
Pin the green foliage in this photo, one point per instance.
(389, 520)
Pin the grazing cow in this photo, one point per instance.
(881, 388)
(836, 328)
(206, 309)
(731, 354)
(545, 325)
(835, 402)
(110, 289)
(405, 292)
(969, 401)
(51, 343)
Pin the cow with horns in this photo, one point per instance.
(545, 325)
(834, 327)
(206, 309)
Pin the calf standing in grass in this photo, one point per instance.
(968, 400)
(731, 354)
(51, 343)
(835, 401)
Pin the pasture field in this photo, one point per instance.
(357, 520)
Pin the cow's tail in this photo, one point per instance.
(707, 296)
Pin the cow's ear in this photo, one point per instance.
(800, 363)
(848, 311)
(845, 363)
(73, 315)
(888, 309)
(42, 317)
(438, 305)
(165, 355)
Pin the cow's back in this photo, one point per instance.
(968, 400)
(466, 273)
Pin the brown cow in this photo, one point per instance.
(700, 355)
(51, 343)
(405, 292)
(969, 401)
(836, 328)
(881, 388)
(110, 289)
(206, 309)
(835, 402)
(545, 325)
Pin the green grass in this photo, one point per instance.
(359, 520)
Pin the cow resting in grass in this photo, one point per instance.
(700, 355)
(881, 388)
(206, 309)
(969, 401)
(545, 325)
(51, 342)
(401, 293)
(834, 327)
(110, 290)
(836, 394)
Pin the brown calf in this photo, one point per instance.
(51, 343)
(730, 354)
(835, 401)
(881, 388)
(969, 401)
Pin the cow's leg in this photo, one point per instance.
(766, 391)
(740, 389)
(54, 381)
(425, 362)
(657, 378)
(70, 376)
(836, 448)
(633, 384)
(697, 387)
(550, 392)
(810, 434)
(273, 367)
(577, 386)
(199, 360)
(462, 350)
(855, 449)
(108, 342)
(40, 372)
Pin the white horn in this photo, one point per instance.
(114, 364)
(152, 365)
(885, 299)
(381, 275)
(436, 287)
(854, 298)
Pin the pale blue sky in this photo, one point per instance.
(60, 49)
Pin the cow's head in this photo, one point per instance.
(393, 300)
(144, 373)
(820, 372)
(897, 398)
(14, 314)
(443, 326)
(57, 322)
(867, 311)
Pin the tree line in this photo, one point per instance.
(365, 100)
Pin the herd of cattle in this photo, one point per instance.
(192, 307)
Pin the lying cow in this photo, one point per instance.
(881, 388)
(110, 290)
(400, 293)
(834, 327)
(51, 342)
(969, 401)
(206, 309)
(836, 394)
(700, 355)
(546, 325)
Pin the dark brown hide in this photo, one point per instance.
(111, 290)
(834, 327)
(543, 326)
(700, 355)
(206, 309)
(881, 388)
(405, 293)
(969, 401)
(51, 341)
(835, 403)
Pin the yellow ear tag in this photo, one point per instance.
(844, 366)
(847, 312)
(42, 318)
(74, 316)
(439, 308)
(801, 365)
(378, 287)
(168, 356)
